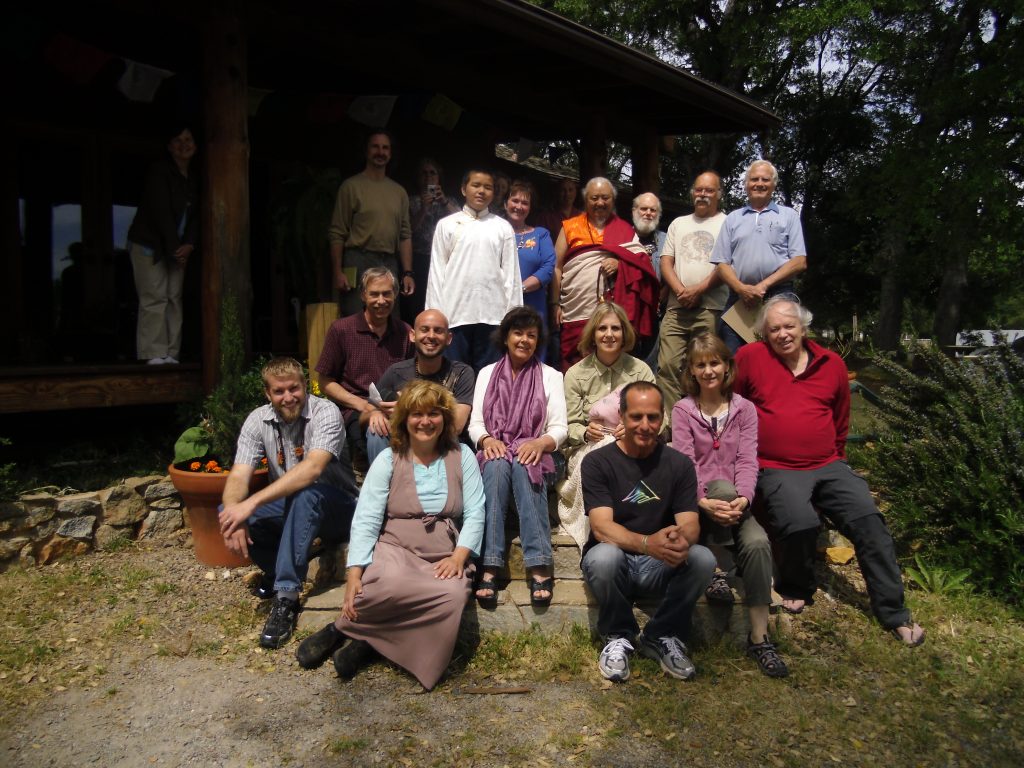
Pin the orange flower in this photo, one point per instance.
(263, 461)
(212, 466)
(194, 466)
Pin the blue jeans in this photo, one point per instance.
(283, 531)
(501, 479)
(375, 444)
(617, 578)
(725, 332)
(471, 344)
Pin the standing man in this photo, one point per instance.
(802, 394)
(696, 296)
(431, 337)
(594, 261)
(641, 498)
(310, 495)
(474, 272)
(370, 225)
(760, 248)
(358, 349)
(646, 218)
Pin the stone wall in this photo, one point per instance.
(39, 528)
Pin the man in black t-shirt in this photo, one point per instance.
(641, 498)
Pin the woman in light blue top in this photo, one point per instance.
(407, 580)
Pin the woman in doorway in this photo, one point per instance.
(162, 237)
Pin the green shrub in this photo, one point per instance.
(949, 463)
(238, 391)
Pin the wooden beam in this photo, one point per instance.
(225, 220)
(25, 391)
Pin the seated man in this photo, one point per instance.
(310, 494)
(802, 395)
(641, 497)
(431, 337)
(359, 348)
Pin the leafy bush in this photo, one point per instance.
(949, 462)
(237, 393)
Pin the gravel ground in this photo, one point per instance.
(171, 674)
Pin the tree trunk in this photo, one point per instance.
(947, 310)
(890, 300)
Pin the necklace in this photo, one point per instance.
(298, 448)
(716, 422)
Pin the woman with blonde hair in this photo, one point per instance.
(592, 388)
(407, 580)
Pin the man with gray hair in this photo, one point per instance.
(646, 219)
(760, 248)
(696, 296)
(359, 348)
(802, 395)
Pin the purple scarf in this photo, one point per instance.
(515, 412)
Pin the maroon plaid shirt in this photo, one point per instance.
(356, 357)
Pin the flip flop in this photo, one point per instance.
(490, 601)
(541, 585)
(911, 642)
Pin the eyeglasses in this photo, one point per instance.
(704, 191)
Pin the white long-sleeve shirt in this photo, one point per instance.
(556, 422)
(474, 269)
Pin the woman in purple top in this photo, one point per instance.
(718, 431)
(536, 250)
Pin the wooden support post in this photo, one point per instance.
(225, 219)
(644, 157)
(594, 161)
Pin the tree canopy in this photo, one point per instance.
(900, 142)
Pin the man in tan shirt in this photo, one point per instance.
(370, 226)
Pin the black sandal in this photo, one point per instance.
(718, 590)
(767, 658)
(541, 585)
(490, 601)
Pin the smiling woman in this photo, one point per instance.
(407, 580)
(592, 389)
(518, 421)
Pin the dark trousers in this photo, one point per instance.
(471, 344)
(792, 499)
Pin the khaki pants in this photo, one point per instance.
(677, 328)
(159, 286)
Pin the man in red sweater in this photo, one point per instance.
(802, 394)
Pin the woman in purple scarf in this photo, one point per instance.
(518, 421)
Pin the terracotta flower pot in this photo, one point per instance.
(202, 492)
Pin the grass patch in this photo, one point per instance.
(344, 745)
(532, 655)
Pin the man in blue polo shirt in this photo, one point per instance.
(760, 248)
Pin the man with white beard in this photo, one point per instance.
(696, 295)
(646, 218)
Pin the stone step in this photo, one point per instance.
(571, 604)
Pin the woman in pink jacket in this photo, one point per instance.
(718, 431)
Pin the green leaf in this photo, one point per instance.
(194, 443)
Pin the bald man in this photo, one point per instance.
(430, 336)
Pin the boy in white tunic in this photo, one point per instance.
(474, 272)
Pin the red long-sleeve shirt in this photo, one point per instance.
(802, 420)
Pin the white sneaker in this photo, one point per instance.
(170, 360)
(156, 361)
(614, 660)
(671, 653)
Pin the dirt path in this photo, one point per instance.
(127, 685)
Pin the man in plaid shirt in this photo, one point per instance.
(311, 493)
